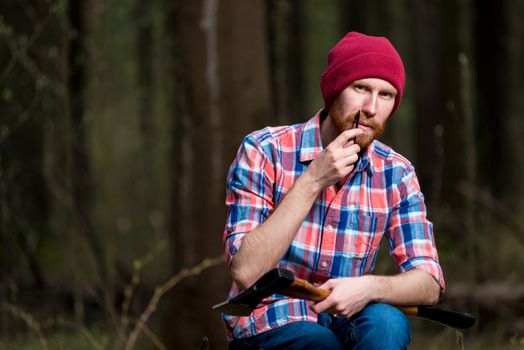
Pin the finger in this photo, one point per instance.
(350, 160)
(321, 306)
(345, 136)
(347, 159)
(349, 143)
(353, 149)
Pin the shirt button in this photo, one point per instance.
(329, 228)
(324, 264)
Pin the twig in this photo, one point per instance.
(154, 338)
(138, 265)
(205, 344)
(24, 115)
(459, 339)
(161, 290)
(436, 341)
(30, 322)
(83, 330)
(87, 334)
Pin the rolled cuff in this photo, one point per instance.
(232, 244)
(429, 265)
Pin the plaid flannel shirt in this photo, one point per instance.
(342, 232)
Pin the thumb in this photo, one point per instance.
(325, 304)
(329, 284)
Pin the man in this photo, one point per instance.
(316, 198)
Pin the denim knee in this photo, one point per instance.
(381, 326)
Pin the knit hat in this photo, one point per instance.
(359, 56)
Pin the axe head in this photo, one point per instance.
(244, 303)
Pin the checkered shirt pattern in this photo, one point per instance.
(342, 232)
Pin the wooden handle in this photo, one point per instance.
(409, 310)
(302, 289)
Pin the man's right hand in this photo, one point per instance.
(337, 160)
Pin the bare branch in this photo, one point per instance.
(87, 334)
(154, 338)
(23, 117)
(138, 265)
(160, 291)
(30, 322)
(82, 329)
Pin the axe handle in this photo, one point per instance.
(302, 289)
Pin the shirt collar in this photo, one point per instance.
(311, 145)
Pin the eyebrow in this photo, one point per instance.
(389, 91)
(385, 89)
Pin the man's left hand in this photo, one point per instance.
(348, 296)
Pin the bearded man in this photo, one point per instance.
(317, 198)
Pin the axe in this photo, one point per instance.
(282, 281)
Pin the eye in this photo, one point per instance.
(387, 94)
(359, 87)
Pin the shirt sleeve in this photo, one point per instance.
(249, 194)
(410, 233)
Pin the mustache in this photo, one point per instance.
(364, 121)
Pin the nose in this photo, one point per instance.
(370, 105)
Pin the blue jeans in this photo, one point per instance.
(377, 326)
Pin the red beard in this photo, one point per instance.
(345, 122)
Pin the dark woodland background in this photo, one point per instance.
(119, 120)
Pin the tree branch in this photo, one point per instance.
(30, 322)
(163, 289)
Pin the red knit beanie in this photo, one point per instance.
(359, 56)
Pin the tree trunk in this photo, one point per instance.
(81, 15)
(492, 89)
(429, 106)
(145, 72)
(285, 21)
(515, 124)
(222, 93)
(459, 141)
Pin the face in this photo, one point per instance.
(375, 98)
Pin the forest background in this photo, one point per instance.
(120, 118)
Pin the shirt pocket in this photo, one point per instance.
(362, 234)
